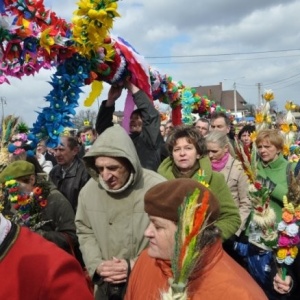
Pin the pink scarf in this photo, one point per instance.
(220, 164)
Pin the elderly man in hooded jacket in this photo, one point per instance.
(110, 217)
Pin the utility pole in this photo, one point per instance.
(234, 94)
(3, 101)
(259, 94)
(234, 99)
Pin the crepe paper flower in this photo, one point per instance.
(288, 206)
(3, 79)
(281, 253)
(268, 95)
(259, 118)
(287, 217)
(25, 28)
(28, 206)
(30, 45)
(187, 102)
(13, 50)
(293, 251)
(285, 150)
(288, 228)
(29, 69)
(290, 105)
(292, 230)
(92, 22)
(47, 38)
(43, 203)
(281, 226)
(37, 191)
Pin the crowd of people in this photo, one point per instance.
(106, 213)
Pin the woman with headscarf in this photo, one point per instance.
(185, 259)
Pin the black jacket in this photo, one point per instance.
(70, 185)
(149, 141)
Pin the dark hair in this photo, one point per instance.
(137, 112)
(220, 114)
(246, 128)
(72, 142)
(87, 128)
(192, 134)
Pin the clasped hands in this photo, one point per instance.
(113, 271)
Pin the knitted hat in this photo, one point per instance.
(17, 169)
(164, 199)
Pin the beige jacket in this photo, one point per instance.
(238, 184)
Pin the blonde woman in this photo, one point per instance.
(223, 160)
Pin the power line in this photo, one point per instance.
(284, 79)
(221, 60)
(223, 54)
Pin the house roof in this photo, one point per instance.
(223, 98)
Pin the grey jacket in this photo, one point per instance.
(70, 184)
(113, 224)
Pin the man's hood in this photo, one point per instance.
(113, 142)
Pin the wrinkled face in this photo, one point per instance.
(113, 171)
(184, 154)
(215, 152)
(136, 123)
(202, 127)
(161, 235)
(64, 154)
(245, 138)
(220, 125)
(267, 151)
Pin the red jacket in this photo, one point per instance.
(219, 278)
(32, 268)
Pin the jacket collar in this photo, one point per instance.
(275, 163)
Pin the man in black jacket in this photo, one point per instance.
(144, 124)
(69, 175)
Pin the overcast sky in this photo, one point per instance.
(246, 42)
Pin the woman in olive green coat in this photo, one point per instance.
(188, 159)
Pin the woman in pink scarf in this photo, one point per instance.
(223, 160)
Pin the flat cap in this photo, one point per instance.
(17, 169)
